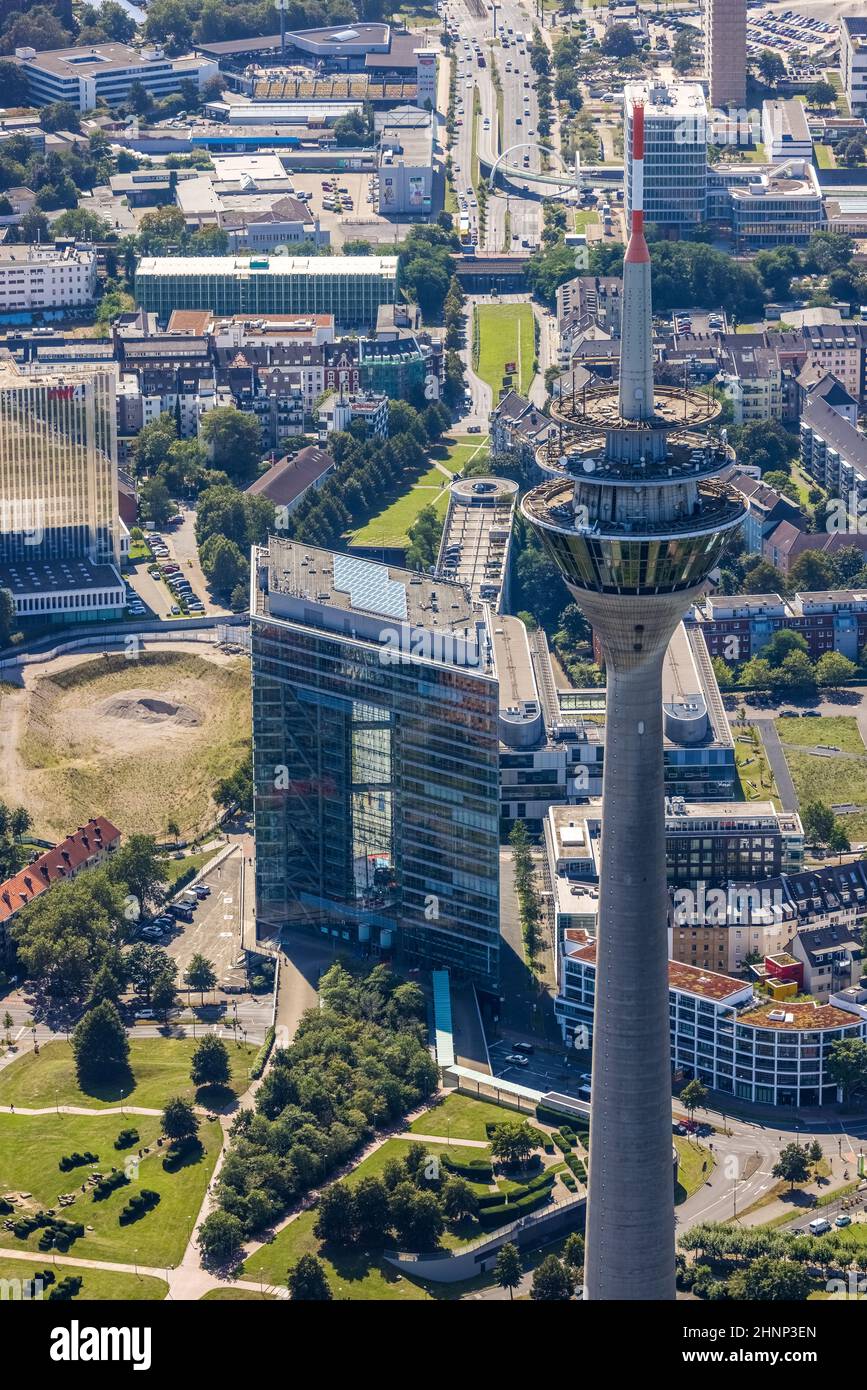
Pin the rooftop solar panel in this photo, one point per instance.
(369, 587)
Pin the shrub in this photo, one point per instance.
(569, 1182)
(564, 1144)
(126, 1139)
(67, 1288)
(108, 1184)
(139, 1206)
(491, 1217)
(261, 1058)
(475, 1170)
(77, 1160)
(180, 1150)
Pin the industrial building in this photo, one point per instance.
(349, 287)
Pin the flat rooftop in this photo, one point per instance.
(94, 60)
(475, 541)
(196, 266)
(514, 667)
(355, 585)
(798, 1017)
(31, 577)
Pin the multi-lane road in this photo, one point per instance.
(514, 219)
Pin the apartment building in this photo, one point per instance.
(725, 29)
(853, 62)
(736, 627)
(86, 848)
(33, 278)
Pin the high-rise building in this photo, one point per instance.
(375, 759)
(725, 46)
(59, 522)
(635, 518)
(675, 152)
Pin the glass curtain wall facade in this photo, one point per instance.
(58, 467)
(376, 799)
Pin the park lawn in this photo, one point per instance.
(159, 1070)
(690, 1173)
(825, 157)
(390, 529)
(463, 1117)
(836, 781)
(31, 1146)
(754, 773)
(352, 1274)
(98, 1284)
(831, 731)
(172, 869)
(506, 334)
(461, 450)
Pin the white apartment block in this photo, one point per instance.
(46, 277)
(853, 62)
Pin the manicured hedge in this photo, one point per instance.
(261, 1058)
(138, 1206)
(491, 1217)
(77, 1160)
(569, 1182)
(474, 1170)
(126, 1139)
(109, 1184)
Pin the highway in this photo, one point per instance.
(512, 219)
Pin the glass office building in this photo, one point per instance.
(349, 287)
(375, 759)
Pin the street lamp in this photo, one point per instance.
(282, 6)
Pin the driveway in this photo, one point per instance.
(777, 759)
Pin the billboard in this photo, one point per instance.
(416, 190)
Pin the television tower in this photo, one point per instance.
(635, 517)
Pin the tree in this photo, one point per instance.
(223, 563)
(139, 99)
(682, 50)
(416, 1217)
(553, 1282)
(459, 1201)
(508, 1270)
(13, 84)
(619, 42)
(847, 1066)
(834, 670)
(8, 616)
(59, 115)
(513, 1142)
(771, 66)
(37, 29)
(792, 1165)
(335, 1222)
(200, 975)
(163, 992)
(136, 865)
(573, 1251)
(153, 444)
(160, 230)
(818, 822)
(815, 1153)
(767, 1279)
(763, 578)
(210, 1062)
(99, 1043)
(146, 965)
(308, 1282)
(82, 224)
(63, 937)
(156, 501)
(838, 842)
(221, 1238)
(233, 442)
(371, 1211)
(811, 572)
(821, 94)
(179, 1119)
(693, 1095)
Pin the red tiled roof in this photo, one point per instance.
(56, 864)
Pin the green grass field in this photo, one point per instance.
(831, 731)
(237, 1296)
(506, 334)
(98, 1283)
(32, 1145)
(463, 1117)
(754, 773)
(834, 780)
(390, 528)
(690, 1172)
(159, 1069)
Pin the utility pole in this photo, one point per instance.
(281, 6)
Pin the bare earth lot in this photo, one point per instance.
(141, 741)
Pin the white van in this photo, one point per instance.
(819, 1226)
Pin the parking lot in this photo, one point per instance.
(544, 1070)
(171, 585)
(215, 931)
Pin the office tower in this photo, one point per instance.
(375, 759)
(675, 153)
(725, 47)
(59, 523)
(635, 518)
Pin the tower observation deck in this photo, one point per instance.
(635, 516)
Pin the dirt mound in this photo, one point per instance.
(148, 709)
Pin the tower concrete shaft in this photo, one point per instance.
(630, 1212)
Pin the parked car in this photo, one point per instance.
(517, 1060)
(844, 1219)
